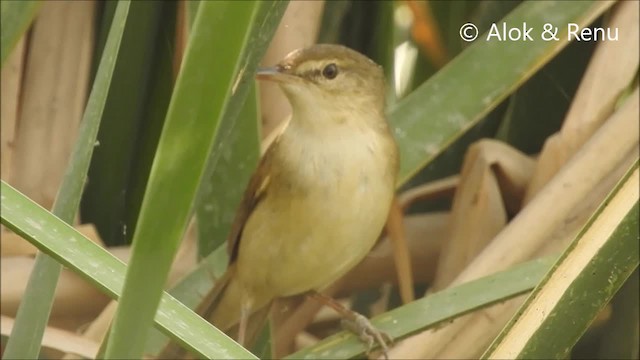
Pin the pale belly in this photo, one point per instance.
(304, 241)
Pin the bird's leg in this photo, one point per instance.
(356, 323)
(245, 312)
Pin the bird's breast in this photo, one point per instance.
(323, 217)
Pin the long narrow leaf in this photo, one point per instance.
(237, 145)
(235, 152)
(434, 309)
(35, 308)
(582, 282)
(81, 255)
(204, 86)
(104, 203)
(478, 79)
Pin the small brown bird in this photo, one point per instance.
(321, 194)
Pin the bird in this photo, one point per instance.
(320, 196)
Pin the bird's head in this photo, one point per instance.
(331, 79)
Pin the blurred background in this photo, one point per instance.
(501, 120)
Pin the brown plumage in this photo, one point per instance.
(320, 195)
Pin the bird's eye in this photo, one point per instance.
(330, 71)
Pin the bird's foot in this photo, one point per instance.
(357, 324)
(368, 334)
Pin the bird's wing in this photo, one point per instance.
(254, 193)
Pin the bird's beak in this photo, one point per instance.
(275, 74)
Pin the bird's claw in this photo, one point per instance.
(368, 334)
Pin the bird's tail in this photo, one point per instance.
(222, 307)
(225, 288)
(225, 305)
